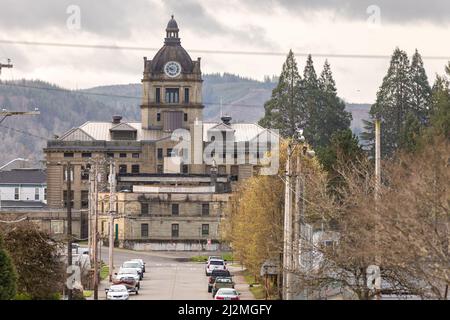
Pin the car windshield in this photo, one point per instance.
(216, 262)
(127, 271)
(118, 289)
(131, 265)
(224, 280)
(227, 292)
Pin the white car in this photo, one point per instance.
(215, 264)
(134, 265)
(142, 263)
(129, 272)
(117, 292)
(227, 294)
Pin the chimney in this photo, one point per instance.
(226, 120)
(116, 119)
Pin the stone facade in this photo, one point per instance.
(143, 154)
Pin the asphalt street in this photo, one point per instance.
(170, 276)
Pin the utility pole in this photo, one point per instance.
(377, 188)
(112, 195)
(69, 222)
(95, 238)
(287, 229)
(297, 208)
(8, 65)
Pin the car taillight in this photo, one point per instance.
(236, 298)
(219, 298)
(211, 280)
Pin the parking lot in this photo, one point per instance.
(170, 276)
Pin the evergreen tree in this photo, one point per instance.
(7, 275)
(393, 103)
(284, 110)
(311, 96)
(332, 116)
(440, 109)
(420, 89)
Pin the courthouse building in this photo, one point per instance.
(168, 195)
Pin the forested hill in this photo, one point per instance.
(61, 109)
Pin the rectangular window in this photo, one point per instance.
(185, 117)
(45, 194)
(16, 194)
(84, 199)
(135, 155)
(158, 95)
(65, 198)
(205, 209)
(144, 230)
(36, 194)
(158, 117)
(169, 152)
(68, 154)
(65, 173)
(185, 169)
(205, 229)
(85, 172)
(135, 168)
(172, 95)
(57, 226)
(175, 230)
(86, 155)
(123, 155)
(160, 153)
(144, 208)
(186, 95)
(175, 209)
(122, 168)
(110, 154)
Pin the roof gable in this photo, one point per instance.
(123, 127)
(76, 134)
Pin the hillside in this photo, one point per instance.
(62, 109)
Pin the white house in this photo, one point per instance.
(23, 188)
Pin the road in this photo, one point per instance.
(170, 276)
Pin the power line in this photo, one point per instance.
(25, 132)
(112, 95)
(204, 51)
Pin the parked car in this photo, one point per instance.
(117, 292)
(227, 294)
(141, 262)
(222, 282)
(214, 258)
(128, 277)
(214, 274)
(134, 265)
(215, 264)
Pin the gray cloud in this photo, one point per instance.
(107, 18)
(393, 11)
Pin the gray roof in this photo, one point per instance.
(91, 131)
(23, 176)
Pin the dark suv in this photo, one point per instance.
(214, 274)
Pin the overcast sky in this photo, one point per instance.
(323, 27)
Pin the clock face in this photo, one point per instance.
(172, 69)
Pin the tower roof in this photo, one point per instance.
(172, 51)
(172, 25)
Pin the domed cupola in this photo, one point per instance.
(172, 32)
(172, 51)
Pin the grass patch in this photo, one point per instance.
(88, 293)
(104, 272)
(255, 287)
(226, 256)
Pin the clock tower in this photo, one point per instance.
(172, 86)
